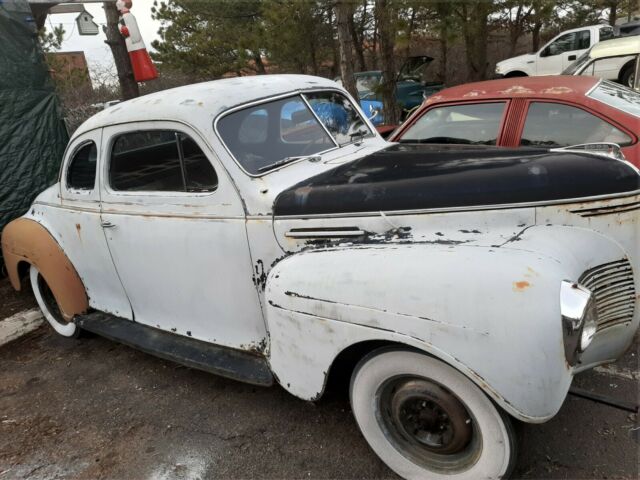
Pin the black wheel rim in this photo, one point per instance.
(428, 424)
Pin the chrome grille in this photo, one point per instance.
(614, 291)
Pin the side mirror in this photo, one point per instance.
(545, 52)
(373, 113)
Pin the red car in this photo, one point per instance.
(556, 111)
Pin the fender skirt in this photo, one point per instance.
(25, 240)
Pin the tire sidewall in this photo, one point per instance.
(627, 74)
(70, 329)
(497, 453)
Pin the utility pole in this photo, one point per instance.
(115, 40)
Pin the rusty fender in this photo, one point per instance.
(25, 240)
(491, 312)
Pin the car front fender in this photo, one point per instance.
(491, 312)
(25, 240)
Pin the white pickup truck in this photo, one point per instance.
(556, 55)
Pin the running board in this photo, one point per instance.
(226, 362)
(604, 399)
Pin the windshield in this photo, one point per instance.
(266, 136)
(617, 96)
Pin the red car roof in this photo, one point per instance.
(557, 86)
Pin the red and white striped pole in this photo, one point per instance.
(143, 67)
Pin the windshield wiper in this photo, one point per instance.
(284, 161)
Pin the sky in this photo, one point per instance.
(96, 51)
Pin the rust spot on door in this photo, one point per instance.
(521, 286)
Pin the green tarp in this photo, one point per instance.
(32, 134)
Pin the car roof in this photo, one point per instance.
(598, 25)
(556, 86)
(203, 102)
(616, 47)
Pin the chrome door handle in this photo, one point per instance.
(106, 224)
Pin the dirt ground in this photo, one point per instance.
(91, 408)
(11, 301)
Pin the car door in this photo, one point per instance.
(175, 226)
(562, 51)
(78, 225)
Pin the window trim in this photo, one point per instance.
(151, 193)
(419, 114)
(65, 175)
(584, 108)
(282, 97)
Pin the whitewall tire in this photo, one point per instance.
(49, 307)
(426, 420)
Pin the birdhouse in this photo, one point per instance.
(86, 25)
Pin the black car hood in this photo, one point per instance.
(412, 177)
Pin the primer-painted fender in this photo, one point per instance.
(492, 312)
(29, 241)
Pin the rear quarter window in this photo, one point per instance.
(558, 125)
(617, 96)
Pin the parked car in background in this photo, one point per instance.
(411, 88)
(258, 228)
(628, 29)
(612, 60)
(539, 111)
(557, 54)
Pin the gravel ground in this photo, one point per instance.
(91, 408)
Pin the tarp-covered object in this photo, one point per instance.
(32, 134)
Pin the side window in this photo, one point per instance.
(558, 125)
(565, 43)
(159, 161)
(81, 173)
(199, 173)
(467, 124)
(583, 40)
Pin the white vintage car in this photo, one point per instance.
(260, 229)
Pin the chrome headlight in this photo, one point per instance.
(590, 325)
(579, 319)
